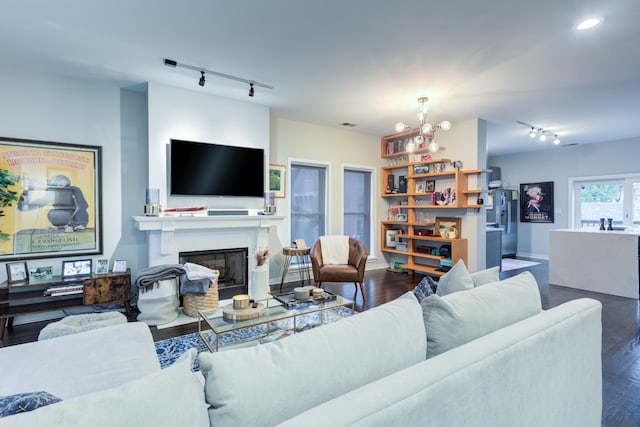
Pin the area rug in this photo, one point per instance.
(169, 350)
(513, 264)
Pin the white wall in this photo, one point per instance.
(297, 141)
(558, 164)
(50, 108)
(195, 116)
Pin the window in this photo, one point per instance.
(308, 202)
(606, 197)
(357, 205)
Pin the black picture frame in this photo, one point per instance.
(430, 186)
(51, 198)
(76, 268)
(536, 202)
(17, 272)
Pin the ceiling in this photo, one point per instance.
(361, 61)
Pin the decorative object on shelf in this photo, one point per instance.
(536, 202)
(277, 181)
(602, 227)
(610, 224)
(446, 227)
(426, 131)
(391, 182)
(77, 268)
(402, 184)
(17, 272)
(41, 273)
(51, 196)
(269, 203)
(390, 237)
(420, 169)
(445, 251)
(439, 167)
(401, 246)
(456, 164)
(152, 205)
(401, 217)
(119, 266)
(101, 266)
(541, 134)
(414, 158)
(420, 187)
(430, 186)
(201, 80)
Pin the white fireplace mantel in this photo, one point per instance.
(167, 226)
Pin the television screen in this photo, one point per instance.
(201, 169)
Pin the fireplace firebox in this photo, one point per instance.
(231, 263)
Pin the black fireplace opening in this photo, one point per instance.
(231, 263)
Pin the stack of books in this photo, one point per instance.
(64, 290)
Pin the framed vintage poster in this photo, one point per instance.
(49, 199)
(277, 180)
(536, 202)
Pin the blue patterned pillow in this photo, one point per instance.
(425, 288)
(24, 402)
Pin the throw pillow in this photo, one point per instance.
(270, 383)
(483, 277)
(24, 402)
(425, 288)
(456, 279)
(170, 397)
(461, 317)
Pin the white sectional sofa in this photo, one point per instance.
(521, 366)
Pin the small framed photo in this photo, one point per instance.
(430, 186)
(17, 272)
(420, 187)
(41, 273)
(401, 217)
(119, 266)
(77, 268)
(101, 266)
(390, 235)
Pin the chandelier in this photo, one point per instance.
(426, 131)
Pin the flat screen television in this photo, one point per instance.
(203, 169)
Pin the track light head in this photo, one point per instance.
(170, 63)
(532, 133)
(201, 81)
(251, 90)
(556, 140)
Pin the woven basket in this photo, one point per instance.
(192, 303)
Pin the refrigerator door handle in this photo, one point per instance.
(508, 222)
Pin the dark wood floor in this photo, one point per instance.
(620, 325)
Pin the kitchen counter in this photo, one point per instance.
(595, 260)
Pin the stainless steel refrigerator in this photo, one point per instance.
(504, 214)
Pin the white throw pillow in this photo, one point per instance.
(455, 280)
(170, 397)
(270, 383)
(483, 277)
(461, 317)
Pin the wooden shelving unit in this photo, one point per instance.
(415, 206)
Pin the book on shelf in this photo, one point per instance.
(64, 290)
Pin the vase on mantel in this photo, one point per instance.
(259, 283)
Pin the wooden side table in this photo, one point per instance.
(303, 255)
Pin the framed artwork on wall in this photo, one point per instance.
(536, 202)
(277, 180)
(50, 198)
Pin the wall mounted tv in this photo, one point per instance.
(202, 169)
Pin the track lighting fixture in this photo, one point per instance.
(173, 64)
(426, 131)
(541, 134)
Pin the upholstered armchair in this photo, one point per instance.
(348, 266)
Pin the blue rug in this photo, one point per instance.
(172, 348)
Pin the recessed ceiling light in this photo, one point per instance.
(588, 23)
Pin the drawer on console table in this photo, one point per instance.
(108, 288)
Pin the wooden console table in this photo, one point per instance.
(28, 297)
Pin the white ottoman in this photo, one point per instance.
(81, 322)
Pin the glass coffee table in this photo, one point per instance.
(277, 321)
